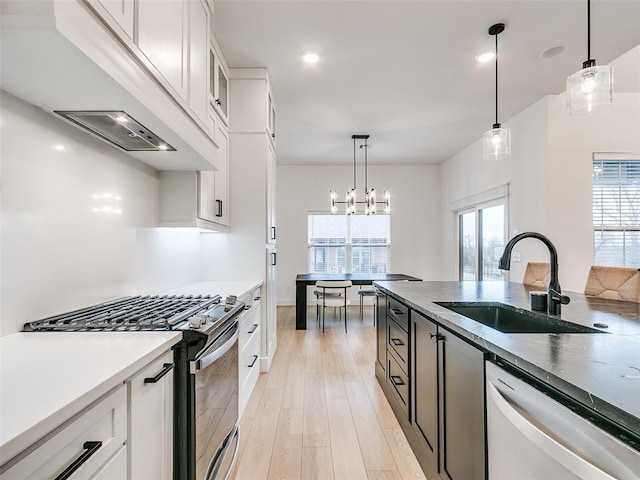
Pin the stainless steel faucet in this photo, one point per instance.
(554, 297)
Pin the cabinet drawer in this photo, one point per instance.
(398, 312)
(101, 429)
(249, 371)
(249, 327)
(398, 341)
(399, 381)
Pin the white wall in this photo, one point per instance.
(415, 218)
(549, 174)
(57, 252)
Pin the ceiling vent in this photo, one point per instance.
(117, 128)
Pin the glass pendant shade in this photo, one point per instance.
(387, 202)
(496, 143)
(590, 91)
(333, 197)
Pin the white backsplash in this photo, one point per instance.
(77, 218)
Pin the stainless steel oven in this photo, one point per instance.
(216, 406)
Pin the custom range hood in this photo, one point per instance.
(59, 57)
(119, 129)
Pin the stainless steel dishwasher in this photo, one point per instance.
(532, 436)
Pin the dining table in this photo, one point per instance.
(303, 280)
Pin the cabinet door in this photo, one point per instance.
(162, 37)
(120, 11)
(218, 84)
(425, 380)
(271, 196)
(381, 330)
(207, 196)
(462, 452)
(151, 421)
(198, 55)
(270, 323)
(271, 115)
(221, 179)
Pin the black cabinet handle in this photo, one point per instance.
(273, 135)
(218, 102)
(437, 336)
(396, 380)
(253, 328)
(256, 299)
(273, 233)
(273, 259)
(396, 341)
(255, 358)
(218, 208)
(397, 311)
(89, 449)
(166, 368)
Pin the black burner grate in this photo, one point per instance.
(150, 312)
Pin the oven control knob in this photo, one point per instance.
(197, 321)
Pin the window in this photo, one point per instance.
(481, 239)
(349, 243)
(616, 210)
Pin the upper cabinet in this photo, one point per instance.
(254, 109)
(218, 83)
(198, 58)
(121, 12)
(163, 37)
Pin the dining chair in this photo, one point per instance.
(537, 274)
(367, 292)
(332, 293)
(614, 283)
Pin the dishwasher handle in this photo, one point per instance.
(559, 452)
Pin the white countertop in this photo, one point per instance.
(222, 288)
(46, 378)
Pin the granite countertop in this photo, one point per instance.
(601, 371)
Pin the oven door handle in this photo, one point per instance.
(215, 351)
(218, 459)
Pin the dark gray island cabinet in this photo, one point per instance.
(434, 382)
(438, 367)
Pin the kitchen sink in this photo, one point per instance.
(508, 319)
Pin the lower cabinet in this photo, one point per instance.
(126, 434)
(91, 443)
(151, 420)
(462, 412)
(381, 330)
(434, 382)
(249, 350)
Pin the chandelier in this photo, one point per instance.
(370, 202)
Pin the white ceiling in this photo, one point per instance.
(404, 71)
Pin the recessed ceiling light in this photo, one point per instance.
(485, 57)
(59, 147)
(552, 52)
(311, 57)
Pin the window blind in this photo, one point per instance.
(616, 210)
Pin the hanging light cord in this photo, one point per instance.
(496, 82)
(354, 163)
(365, 167)
(589, 30)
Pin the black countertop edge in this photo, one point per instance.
(624, 419)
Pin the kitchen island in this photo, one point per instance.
(599, 371)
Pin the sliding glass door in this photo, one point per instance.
(481, 240)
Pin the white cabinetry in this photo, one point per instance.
(151, 425)
(163, 38)
(249, 348)
(118, 11)
(86, 444)
(252, 195)
(198, 58)
(218, 82)
(196, 199)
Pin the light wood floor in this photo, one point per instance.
(319, 413)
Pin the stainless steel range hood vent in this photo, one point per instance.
(117, 128)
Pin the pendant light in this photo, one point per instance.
(590, 90)
(351, 202)
(497, 141)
